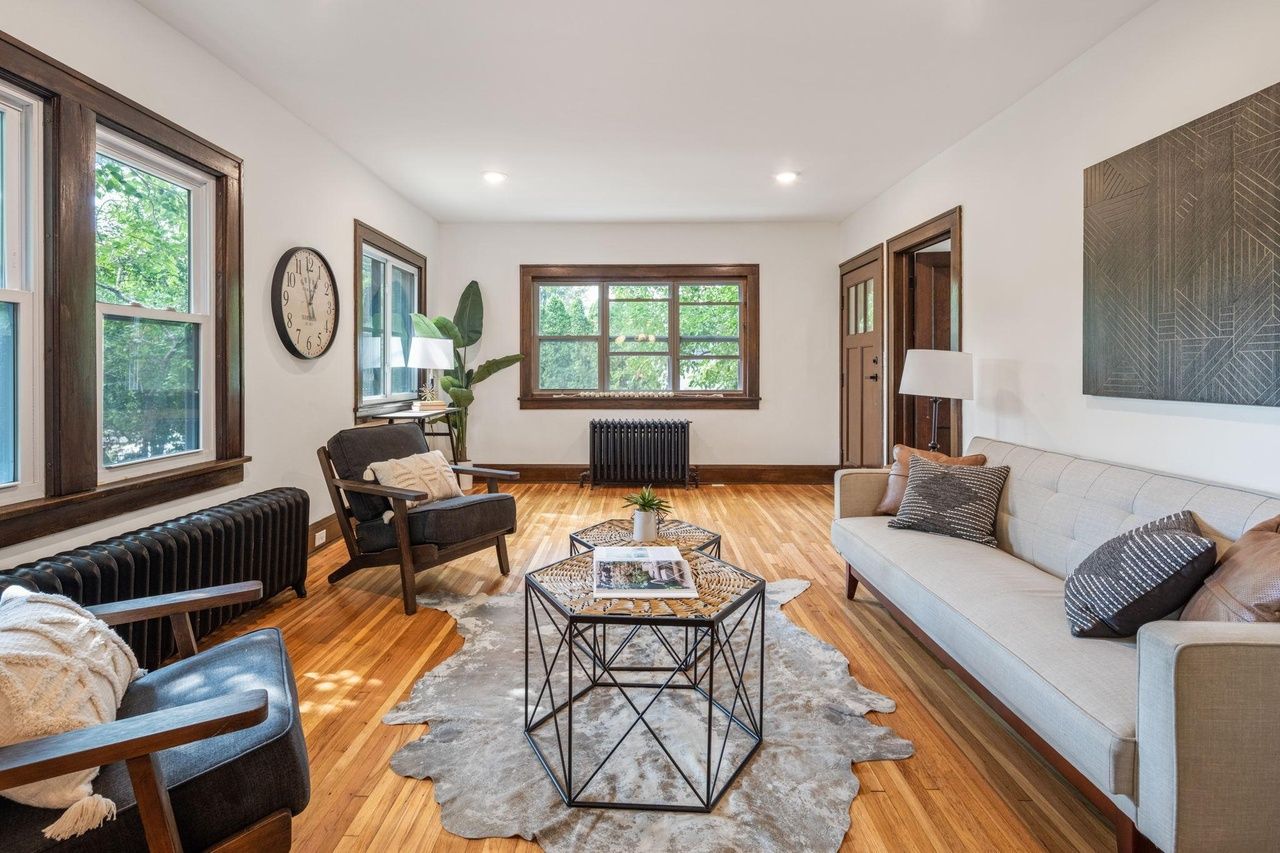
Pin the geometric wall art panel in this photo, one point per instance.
(1182, 262)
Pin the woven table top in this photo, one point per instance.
(671, 532)
(720, 585)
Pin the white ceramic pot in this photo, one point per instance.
(644, 526)
(464, 480)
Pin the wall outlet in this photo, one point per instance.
(321, 536)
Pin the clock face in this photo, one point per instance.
(305, 302)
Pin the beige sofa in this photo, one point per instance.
(1176, 731)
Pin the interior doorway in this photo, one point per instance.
(925, 301)
(861, 357)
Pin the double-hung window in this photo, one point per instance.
(392, 289)
(21, 378)
(652, 337)
(154, 270)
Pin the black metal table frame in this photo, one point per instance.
(586, 638)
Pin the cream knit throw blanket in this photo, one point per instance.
(61, 669)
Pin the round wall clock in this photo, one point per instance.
(304, 301)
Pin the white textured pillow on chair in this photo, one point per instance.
(422, 472)
(61, 669)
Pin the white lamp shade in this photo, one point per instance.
(938, 373)
(431, 353)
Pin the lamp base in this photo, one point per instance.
(933, 435)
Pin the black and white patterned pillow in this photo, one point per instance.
(952, 500)
(1140, 576)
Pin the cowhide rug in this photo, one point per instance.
(794, 795)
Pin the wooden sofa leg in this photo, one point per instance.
(503, 565)
(850, 582)
(272, 834)
(1129, 840)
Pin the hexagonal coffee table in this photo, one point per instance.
(671, 532)
(694, 698)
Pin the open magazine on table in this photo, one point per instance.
(642, 572)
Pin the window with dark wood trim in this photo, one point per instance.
(640, 337)
(79, 480)
(390, 285)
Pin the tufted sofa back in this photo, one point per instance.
(1056, 509)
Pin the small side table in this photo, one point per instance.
(425, 420)
(671, 532)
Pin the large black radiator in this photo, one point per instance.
(261, 537)
(647, 451)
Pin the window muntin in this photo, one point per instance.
(21, 276)
(155, 325)
(635, 341)
(389, 291)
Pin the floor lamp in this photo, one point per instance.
(939, 375)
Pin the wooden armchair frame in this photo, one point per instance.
(136, 740)
(409, 557)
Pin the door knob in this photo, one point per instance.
(875, 377)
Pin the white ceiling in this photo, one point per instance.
(649, 110)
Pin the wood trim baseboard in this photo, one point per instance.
(707, 474)
(329, 526)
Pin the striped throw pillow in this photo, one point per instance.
(1140, 576)
(952, 500)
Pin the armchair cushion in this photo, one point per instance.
(445, 522)
(217, 786)
(353, 450)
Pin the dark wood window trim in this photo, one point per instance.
(74, 107)
(390, 246)
(749, 332)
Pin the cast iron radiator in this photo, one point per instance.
(648, 451)
(261, 537)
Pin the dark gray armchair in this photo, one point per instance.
(204, 752)
(414, 539)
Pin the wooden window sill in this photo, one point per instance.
(682, 401)
(44, 516)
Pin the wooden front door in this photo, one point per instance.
(861, 353)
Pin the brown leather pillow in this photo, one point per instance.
(1246, 585)
(897, 486)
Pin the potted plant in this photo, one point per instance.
(649, 511)
(458, 382)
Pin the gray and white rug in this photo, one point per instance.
(793, 796)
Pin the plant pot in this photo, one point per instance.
(644, 526)
(464, 480)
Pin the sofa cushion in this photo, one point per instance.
(1057, 509)
(952, 500)
(897, 485)
(445, 522)
(1001, 619)
(218, 786)
(1245, 587)
(1138, 577)
(354, 449)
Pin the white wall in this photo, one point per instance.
(1019, 179)
(797, 422)
(298, 189)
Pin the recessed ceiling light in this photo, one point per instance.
(494, 178)
(787, 178)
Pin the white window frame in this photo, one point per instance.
(389, 262)
(23, 287)
(201, 236)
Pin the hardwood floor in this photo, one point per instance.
(972, 784)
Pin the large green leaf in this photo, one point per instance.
(444, 324)
(493, 365)
(469, 318)
(462, 397)
(424, 327)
